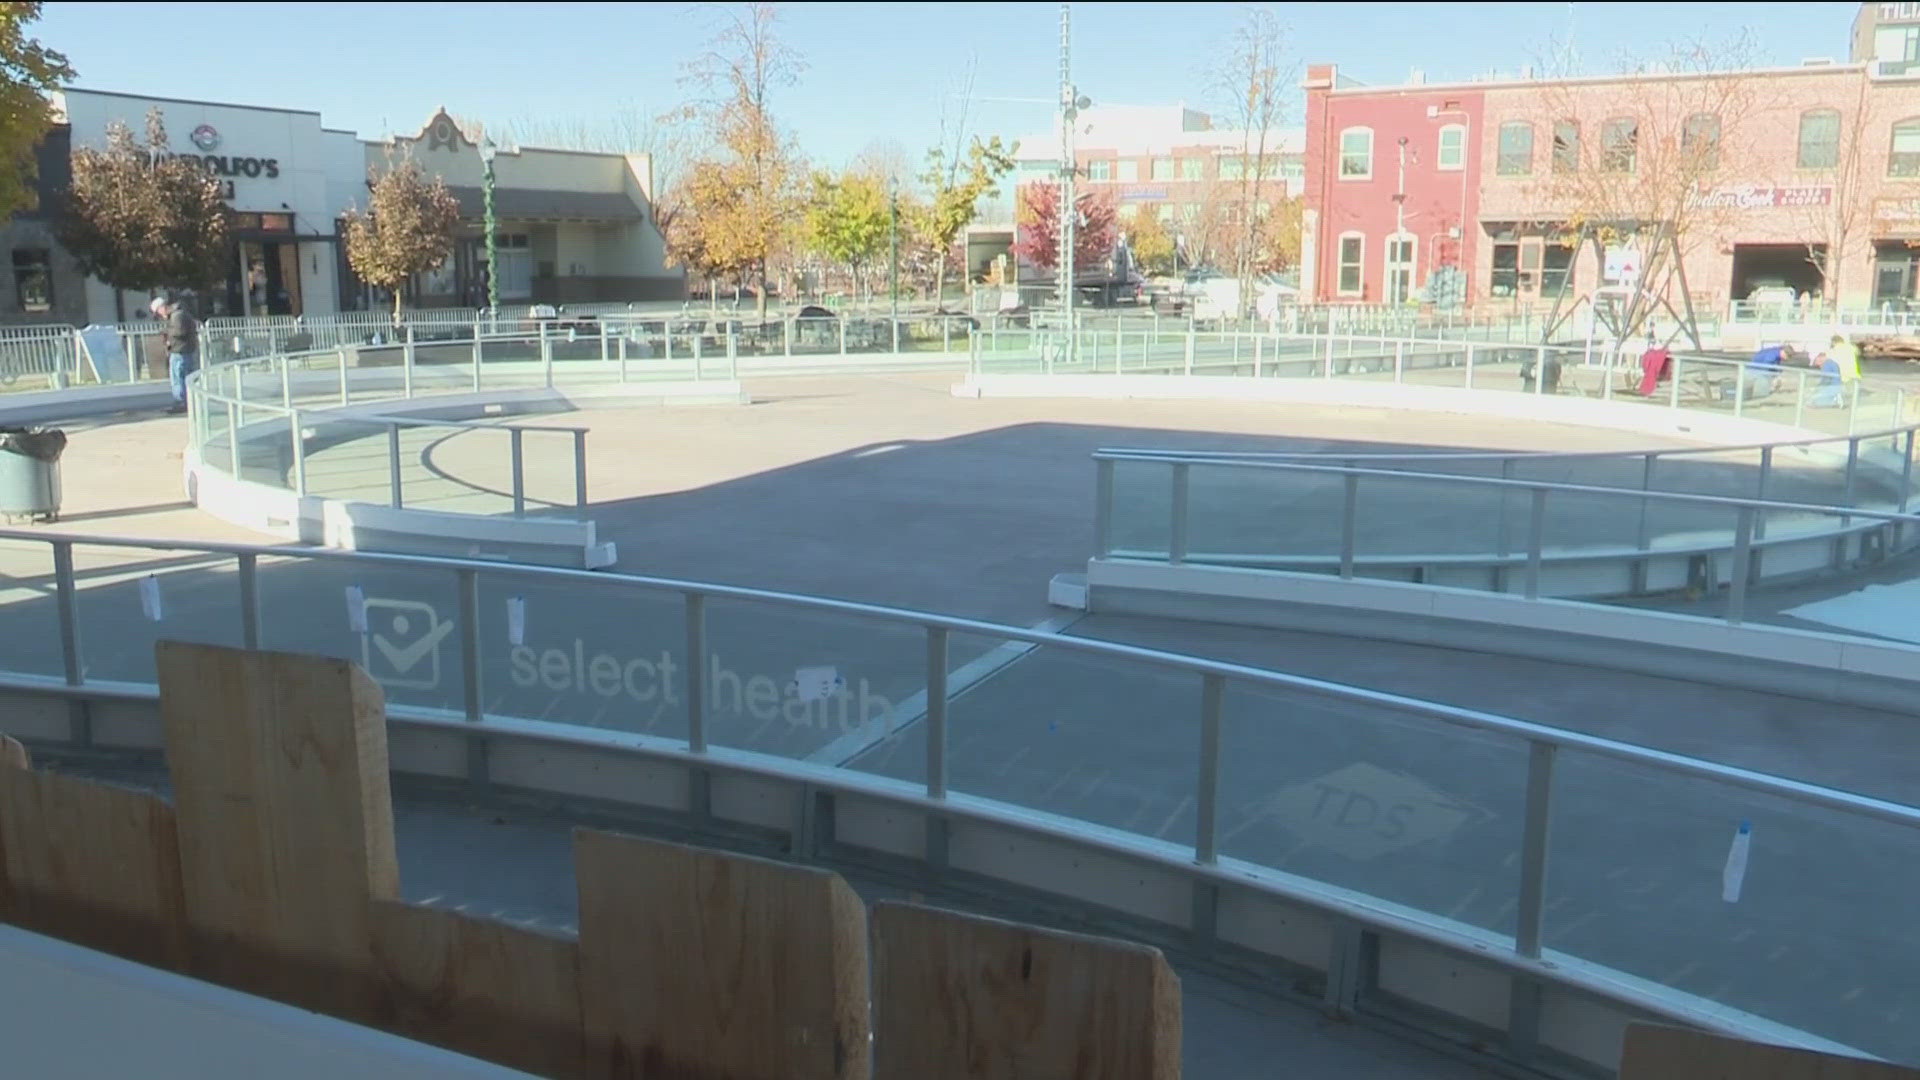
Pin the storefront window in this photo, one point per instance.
(1556, 271)
(1193, 168)
(1516, 149)
(1819, 139)
(1128, 171)
(33, 279)
(1163, 168)
(1905, 158)
(1505, 279)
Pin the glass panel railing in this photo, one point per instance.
(410, 642)
(127, 599)
(1371, 799)
(606, 657)
(1812, 931)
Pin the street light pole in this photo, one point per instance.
(893, 258)
(487, 151)
(1071, 103)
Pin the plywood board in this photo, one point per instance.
(701, 964)
(93, 864)
(285, 819)
(1659, 1052)
(958, 997)
(501, 993)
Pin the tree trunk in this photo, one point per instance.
(396, 308)
(760, 294)
(940, 278)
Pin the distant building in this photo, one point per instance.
(1166, 160)
(1406, 184)
(573, 227)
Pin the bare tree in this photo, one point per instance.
(1252, 81)
(1631, 163)
(1832, 225)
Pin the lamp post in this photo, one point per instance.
(487, 152)
(893, 258)
(1072, 103)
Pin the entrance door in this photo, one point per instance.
(269, 277)
(1892, 282)
(1400, 263)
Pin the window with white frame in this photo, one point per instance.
(1353, 248)
(1356, 154)
(1127, 170)
(1453, 148)
(1101, 169)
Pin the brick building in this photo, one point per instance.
(1804, 178)
(1169, 161)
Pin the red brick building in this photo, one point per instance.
(1802, 178)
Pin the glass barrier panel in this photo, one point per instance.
(1396, 518)
(1142, 512)
(1805, 922)
(29, 610)
(811, 684)
(410, 643)
(1112, 742)
(1367, 797)
(577, 653)
(128, 598)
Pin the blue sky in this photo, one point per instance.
(879, 71)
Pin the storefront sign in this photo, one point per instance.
(1130, 192)
(1765, 197)
(206, 138)
(1904, 211)
(1899, 13)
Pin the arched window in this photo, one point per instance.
(1356, 154)
(1566, 146)
(1516, 149)
(1904, 158)
(1819, 139)
(1700, 141)
(1453, 148)
(1620, 145)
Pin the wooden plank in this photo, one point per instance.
(14, 754)
(285, 819)
(701, 964)
(93, 864)
(958, 997)
(481, 987)
(1659, 1052)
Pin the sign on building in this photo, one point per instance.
(1622, 265)
(1764, 196)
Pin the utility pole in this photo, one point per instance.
(1070, 105)
(1394, 247)
(893, 259)
(487, 152)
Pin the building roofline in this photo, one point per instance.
(187, 101)
(1597, 80)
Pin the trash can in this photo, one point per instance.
(30, 473)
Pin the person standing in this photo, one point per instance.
(182, 335)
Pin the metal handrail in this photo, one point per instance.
(1523, 952)
(1798, 791)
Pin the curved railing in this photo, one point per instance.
(1575, 867)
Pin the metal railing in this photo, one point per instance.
(1889, 316)
(1482, 516)
(1798, 396)
(1210, 757)
(276, 420)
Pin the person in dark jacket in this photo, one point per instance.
(182, 335)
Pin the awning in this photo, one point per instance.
(529, 204)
